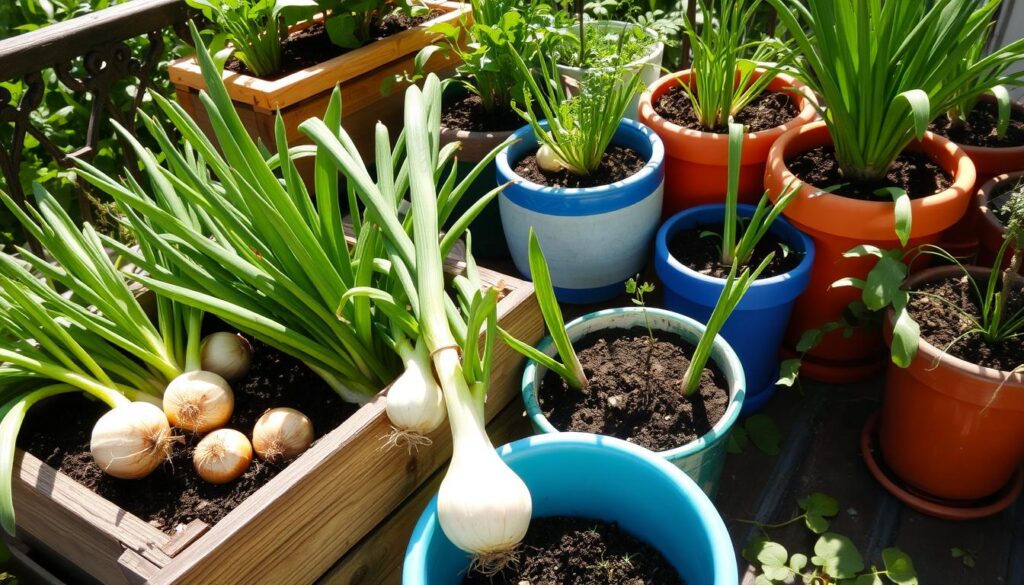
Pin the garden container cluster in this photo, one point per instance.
(318, 213)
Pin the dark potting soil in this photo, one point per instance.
(467, 114)
(981, 127)
(58, 432)
(940, 325)
(577, 551)
(619, 163)
(997, 201)
(701, 251)
(766, 111)
(311, 45)
(914, 172)
(634, 392)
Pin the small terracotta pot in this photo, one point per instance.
(990, 230)
(837, 224)
(950, 428)
(697, 163)
(961, 240)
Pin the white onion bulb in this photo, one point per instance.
(198, 401)
(282, 433)
(222, 456)
(548, 160)
(226, 354)
(130, 441)
(415, 402)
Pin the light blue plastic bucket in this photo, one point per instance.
(600, 478)
(702, 459)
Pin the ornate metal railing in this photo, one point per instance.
(90, 56)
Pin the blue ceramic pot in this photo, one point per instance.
(601, 478)
(756, 327)
(595, 238)
(701, 459)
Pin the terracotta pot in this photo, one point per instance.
(837, 224)
(950, 428)
(989, 234)
(697, 163)
(961, 240)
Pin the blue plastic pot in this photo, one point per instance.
(756, 327)
(702, 459)
(601, 478)
(594, 239)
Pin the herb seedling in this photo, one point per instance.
(349, 23)
(638, 290)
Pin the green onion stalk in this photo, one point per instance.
(250, 245)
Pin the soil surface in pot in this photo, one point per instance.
(914, 172)
(576, 551)
(981, 127)
(940, 324)
(311, 45)
(467, 114)
(999, 197)
(766, 111)
(58, 432)
(634, 391)
(618, 163)
(700, 249)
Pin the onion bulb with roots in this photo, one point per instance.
(131, 440)
(415, 402)
(198, 401)
(548, 160)
(282, 433)
(226, 354)
(222, 456)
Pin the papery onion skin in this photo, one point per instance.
(281, 434)
(228, 355)
(131, 441)
(198, 401)
(222, 456)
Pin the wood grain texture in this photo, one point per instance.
(377, 560)
(322, 77)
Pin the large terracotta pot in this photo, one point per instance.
(950, 428)
(989, 234)
(837, 224)
(697, 163)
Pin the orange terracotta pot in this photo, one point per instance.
(989, 234)
(697, 163)
(961, 239)
(950, 428)
(837, 224)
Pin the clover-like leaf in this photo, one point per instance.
(764, 433)
(899, 567)
(773, 557)
(869, 579)
(789, 371)
(818, 507)
(797, 562)
(754, 548)
(737, 440)
(837, 556)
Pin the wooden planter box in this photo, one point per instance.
(294, 528)
(304, 94)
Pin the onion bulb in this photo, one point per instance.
(548, 160)
(222, 456)
(226, 354)
(132, 440)
(198, 401)
(281, 433)
(415, 403)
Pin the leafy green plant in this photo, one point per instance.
(581, 128)
(886, 69)
(255, 28)
(759, 429)
(836, 558)
(350, 23)
(638, 289)
(725, 58)
(968, 557)
(569, 368)
(602, 45)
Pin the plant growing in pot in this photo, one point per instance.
(581, 176)
(949, 438)
(992, 201)
(651, 376)
(732, 76)
(872, 143)
(695, 250)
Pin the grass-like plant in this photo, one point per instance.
(581, 127)
(958, 114)
(886, 69)
(725, 59)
